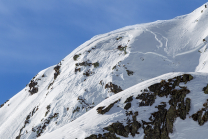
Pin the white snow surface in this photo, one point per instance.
(154, 51)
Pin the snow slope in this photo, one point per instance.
(93, 123)
(101, 67)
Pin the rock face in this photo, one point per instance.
(161, 122)
(202, 115)
(103, 110)
(114, 88)
(57, 71)
(33, 87)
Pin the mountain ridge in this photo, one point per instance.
(102, 68)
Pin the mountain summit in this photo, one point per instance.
(141, 81)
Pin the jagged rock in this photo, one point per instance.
(84, 63)
(34, 90)
(32, 84)
(129, 99)
(57, 71)
(202, 115)
(188, 105)
(147, 99)
(127, 106)
(187, 77)
(129, 72)
(100, 110)
(75, 57)
(88, 73)
(56, 68)
(77, 70)
(33, 87)
(161, 121)
(170, 118)
(134, 128)
(122, 48)
(114, 88)
(155, 87)
(96, 64)
(3, 104)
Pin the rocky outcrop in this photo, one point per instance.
(160, 123)
(101, 110)
(3, 104)
(57, 71)
(33, 87)
(201, 116)
(114, 88)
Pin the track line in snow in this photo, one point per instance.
(154, 54)
(190, 51)
(158, 40)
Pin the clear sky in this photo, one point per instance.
(36, 34)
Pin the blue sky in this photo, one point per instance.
(36, 34)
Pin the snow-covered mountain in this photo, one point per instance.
(142, 81)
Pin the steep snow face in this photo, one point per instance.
(102, 67)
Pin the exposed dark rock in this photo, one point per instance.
(48, 110)
(34, 90)
(147, 99)
(129, 99)
(57, 71)
(202, 115)
(129, 72)
(114, 88)
(32, 84)
(77, 70)
(205, 89)
(122, 48)
(85, 104)
(50, 84)
(187, 77)
(76, 110)
(18, 137)
(96, 64)
(155, 87)
(3, 104)
(127, 106)
(100, 110)
(118, 128)
(88, 73)
(161, 122)
(56, 68)
(27, 121)
(75, 57)
(84, 63)
(33, 87)
(93, 136)
(40, 129)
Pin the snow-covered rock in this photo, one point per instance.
(60, 102)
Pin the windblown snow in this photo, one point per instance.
(61, 102)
